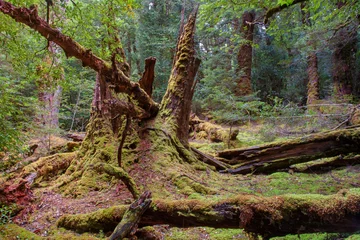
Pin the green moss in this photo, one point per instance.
(188, 186)
(319, 236)
(13, 231)
(104, 219)
(204, 233)
(49, 166)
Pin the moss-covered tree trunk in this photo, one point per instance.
(244, 56)
(176, 105)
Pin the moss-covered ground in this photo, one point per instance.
(183, 180)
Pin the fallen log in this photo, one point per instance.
(210, 160)
(272, 157)
(265, 216)
(326, 164)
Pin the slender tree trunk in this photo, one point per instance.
(312, 64)
(245, 54)
(313, 79)
(75, 110)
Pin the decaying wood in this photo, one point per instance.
(275, 156)
(213, 132)
(210, 160)
(327, 164)
(76, 137)
(266, 216)
(355, 116)
(131, 218)
(123, 137)
(147, 79)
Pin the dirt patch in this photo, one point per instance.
(49, 206)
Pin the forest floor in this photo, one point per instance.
(40, 215)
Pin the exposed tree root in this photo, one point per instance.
(119, 173)
(18, 188)
(266, 216)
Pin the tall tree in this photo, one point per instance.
(313, 89)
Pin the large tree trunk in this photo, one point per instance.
(176, 104)
(244, 56)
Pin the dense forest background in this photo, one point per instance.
(278, 59)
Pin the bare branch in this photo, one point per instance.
(273, 11)
(30, 17)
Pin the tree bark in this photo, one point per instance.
(313, 79)
(328, 164)
(244, 56)
(266, 216)
(313, 90)
(272, 157)
(147, 79)
(176, 105)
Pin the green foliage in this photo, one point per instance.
(76, 97)
(156, 35)
(15, 110)
(5, 214)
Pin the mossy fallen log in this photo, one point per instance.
(327, 164)
(272, 157)
(265, 216)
